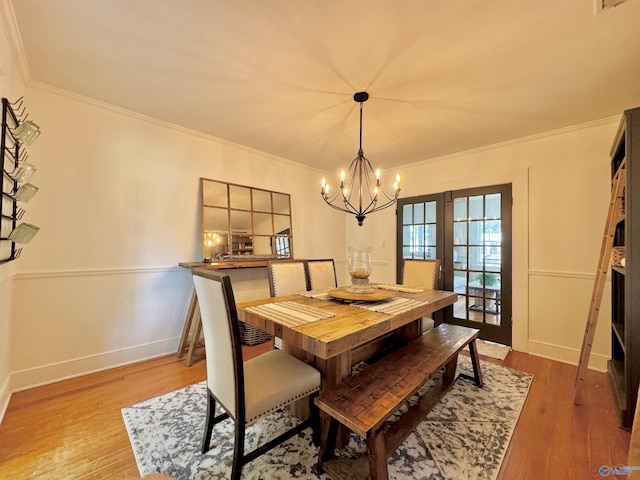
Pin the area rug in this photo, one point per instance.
(465, 436)
(491, 349)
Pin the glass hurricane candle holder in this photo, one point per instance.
(360, 269)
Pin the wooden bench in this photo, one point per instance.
(364, 402)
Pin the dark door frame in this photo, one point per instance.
(444, 251)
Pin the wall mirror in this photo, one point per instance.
(244, 223)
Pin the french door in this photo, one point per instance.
(470, 232)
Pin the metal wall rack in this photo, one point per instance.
(14, 156)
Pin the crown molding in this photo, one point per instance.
(163, 123)
(10, 25)
(529, 138)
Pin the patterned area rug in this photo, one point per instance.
(465, 436)
(490, 349)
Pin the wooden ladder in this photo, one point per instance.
(617, 195)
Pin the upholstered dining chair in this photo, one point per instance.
(425, 274)
(287, 277)
(247, 390)
(322, 274)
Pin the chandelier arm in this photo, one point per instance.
(369, 210)
(381, 207)
(340, 208)
(330, 199)
(351, 209)
(389, 195)
(328, 202)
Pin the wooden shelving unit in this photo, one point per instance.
(624, 366)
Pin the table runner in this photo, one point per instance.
(291, 314)
(391, 307)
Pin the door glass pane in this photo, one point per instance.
(476, 212)
(460, 208)
(430, 214)
(460, 233)
(476, 230)
(431, 235)
(492, 231)
(418, 235)
(407, 214)
(407, 237)
(476, 258)
(460, 282)
(493, 205)
(418, 213)
(460, 258)
(492, 259)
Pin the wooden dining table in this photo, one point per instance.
(332, 344)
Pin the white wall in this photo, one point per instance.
(12, 88)
(118, 208)
(561, 188)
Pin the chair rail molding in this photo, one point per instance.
(562, 274)
(90, 272)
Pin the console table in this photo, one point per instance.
(191, 344)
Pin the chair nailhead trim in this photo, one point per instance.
(280, 406)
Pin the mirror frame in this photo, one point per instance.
(216, 244)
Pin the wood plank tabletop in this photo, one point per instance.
(348, 328)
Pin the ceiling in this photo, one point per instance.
(444, 76)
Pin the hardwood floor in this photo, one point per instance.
(74, 430)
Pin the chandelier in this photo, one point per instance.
(360, 192)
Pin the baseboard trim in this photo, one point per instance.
(597, 361)
(55, 372)
(5, 396)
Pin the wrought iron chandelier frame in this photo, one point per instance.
(368, 185)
